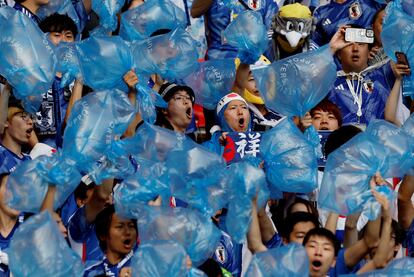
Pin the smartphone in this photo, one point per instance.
(359, 35)
(401, 58)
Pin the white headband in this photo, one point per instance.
(228, 98)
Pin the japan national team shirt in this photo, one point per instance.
(328, 18)
(219, 17)
(10, 161)
(370, 89)
(31, 15)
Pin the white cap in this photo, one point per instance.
(228, 98)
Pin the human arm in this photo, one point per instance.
(200, 7)
(305, 121)
(338, 40)
(75, 96)
(4, 103)
(331, 222)
(131, 79)
(100, 197)
(267, 230)
(391, 106)
(135, 3)
(405, 205)
(254, 238)
(351, 232)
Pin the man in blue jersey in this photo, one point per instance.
(218, 16)
(30, 8)
(360, 91)
(18, 129)
(329, 17)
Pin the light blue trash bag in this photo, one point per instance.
(147, 100)
(96, 121)
(194, 231)
(248, 33)
(172, 55)
(285, 261)
(68, 63)
(28, 184)
(294, 85)
(247, 182)
(107, 11)
(408, 7)
(212, 80)
(140, 22)
(290, 162)
(38, 249)
(61, 7)
(27, 61)
(159, 258)
(104, 61)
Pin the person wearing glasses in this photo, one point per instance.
(179, 114)
(18, 129)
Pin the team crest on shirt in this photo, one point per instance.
(368, 86)
(254, 4)
(221, 254)
(355, 11)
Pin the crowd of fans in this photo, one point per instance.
(291, 233)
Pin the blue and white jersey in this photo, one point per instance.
(31, 15)
(5, 242)
(9, 161)
(219, 17)
(362, 97)
(104, 267)
(328, 18)
(228, 255)
(409, 240)
(83, 232)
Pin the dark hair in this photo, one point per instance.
(398, 231)
(103, 224)
(339, 137)
(58, 23)
(325, 233)
(327, 106)
(211, 268)
(82, 189)
(309, 206)
(294, 218)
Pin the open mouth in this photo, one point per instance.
(127, 243)
(355, 58)
(29, 132)
(316, 265)
(324, 128)
(189, 113)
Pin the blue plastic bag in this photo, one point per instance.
(213, 80)
(96, 121)
(68, 63)
(290, 160)
(247, 182)
(294, 85)
(284, 261)
(172, 55)
(194, 231)
(397, 32)
(39, 249)
(107, 11)
(140, 22)
(61, 7)
(147, 100)
(104, 61)
(397, 267)
(248, 33)
(27, 61)
(28, 184)
(159, 258)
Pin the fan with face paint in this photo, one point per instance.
(291, 26)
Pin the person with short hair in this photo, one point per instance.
(322, 248)
(297, 225)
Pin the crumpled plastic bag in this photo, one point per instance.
(107, 11)
(39, 249)
(159, 258)
(285, 261)
(104, 61)
(28, 184)
(61, 7)
(147, 100)
(290, 160)
(27, 61)
(96, 121)
(194, 231)
(140, 22)
(248, 33)
(68, 63)
(294, 85)
(397, 267)
(212, 80)
(172, 55)
(382, 148)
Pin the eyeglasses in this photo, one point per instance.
(181, 98)
(24, 115)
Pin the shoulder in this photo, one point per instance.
(93, 269)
